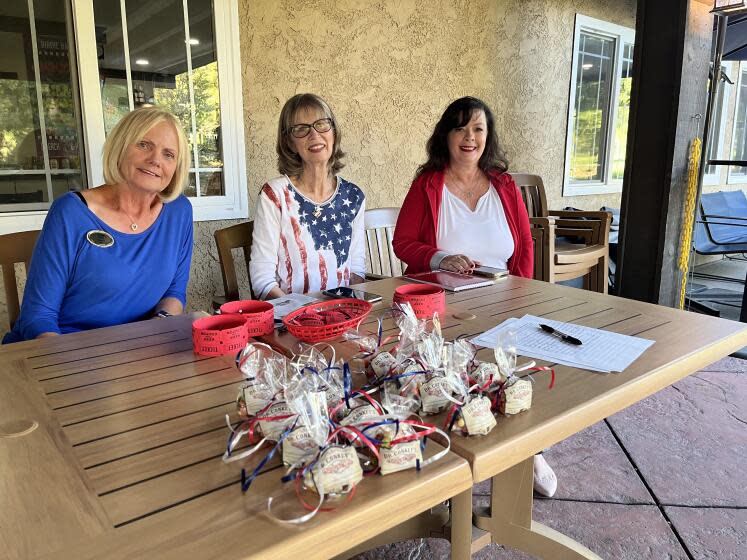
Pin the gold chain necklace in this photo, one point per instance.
(459, 186)
(133, 225)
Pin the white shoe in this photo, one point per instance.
(545, 481)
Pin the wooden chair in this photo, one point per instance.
(574, 243)
(15, 248)
(381, 262)
(227, 239)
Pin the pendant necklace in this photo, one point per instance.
(459, 185)
(318, 208)
(133, 225)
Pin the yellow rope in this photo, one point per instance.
(686, 235)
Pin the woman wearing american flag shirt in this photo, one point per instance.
(308, 226)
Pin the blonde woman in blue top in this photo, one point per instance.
(120, 252)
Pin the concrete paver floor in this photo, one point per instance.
(664, 479)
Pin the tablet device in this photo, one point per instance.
(450, 281)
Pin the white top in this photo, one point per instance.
(482, 235)
(302, 246)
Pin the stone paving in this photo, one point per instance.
(664, 479)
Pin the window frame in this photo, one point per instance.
(718, 129)
(732, 179)
(621, 35)
(235, 202)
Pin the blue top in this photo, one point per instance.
(74, 285)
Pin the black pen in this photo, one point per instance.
(562, 336)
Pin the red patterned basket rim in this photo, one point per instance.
(245, 307)
(218, 323)
(317, 333)
(418, 290)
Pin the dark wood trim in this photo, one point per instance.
(668, 103)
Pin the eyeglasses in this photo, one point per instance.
(303, 130)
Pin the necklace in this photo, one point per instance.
(318, 207)
(133, 225)
(459, 186)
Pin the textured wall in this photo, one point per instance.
(389, 68)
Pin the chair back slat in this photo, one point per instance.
(532, 190)
(15, 248)
(588, 229)
(380, 258)
(227, 239)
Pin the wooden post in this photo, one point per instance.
(668, 103)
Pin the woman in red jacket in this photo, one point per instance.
(463, 210)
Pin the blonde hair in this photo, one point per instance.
(132, 128)
(289, 162)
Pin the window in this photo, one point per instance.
(712, 173)
(40, 126)
(739, 130)
(599, 107)
(180, 54)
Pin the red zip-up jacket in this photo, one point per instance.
(415, 234)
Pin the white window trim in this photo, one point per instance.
(235, 203)
(735, 179)
(621, 35)
(718, 129)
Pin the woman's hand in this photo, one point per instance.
(355, 279)
(275, 292)
(458, 263)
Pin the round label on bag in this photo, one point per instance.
(100, 238)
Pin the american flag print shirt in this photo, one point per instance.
(302, 246)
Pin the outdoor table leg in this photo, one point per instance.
(461, 526)
(509, 519)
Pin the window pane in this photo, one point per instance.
(191, 188)
(739, 146)
(718, 113)
(160, 74)
(592, 106)
(623, 113)
(39, 109)
(111, 57)
(206, 96)
(58, 98)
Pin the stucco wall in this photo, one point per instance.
(389, 68)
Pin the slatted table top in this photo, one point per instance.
(684, 343)
(126, 459)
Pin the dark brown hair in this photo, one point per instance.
(457, 115)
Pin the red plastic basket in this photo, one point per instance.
(424, 299)
(219, 335)
(259, 315)
(306, 325)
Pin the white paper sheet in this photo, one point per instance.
(601, 351)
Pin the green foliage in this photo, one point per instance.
(207, 110)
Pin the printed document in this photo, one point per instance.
(600, 350)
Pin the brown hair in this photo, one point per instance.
(289, 162)
(457, 115)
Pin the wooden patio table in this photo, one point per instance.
(111, 444)
(684, 343)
